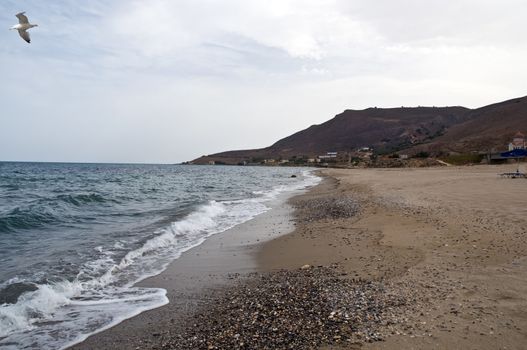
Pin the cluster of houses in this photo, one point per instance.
(364, 155)
(329, 157)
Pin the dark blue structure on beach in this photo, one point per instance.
(515, 153)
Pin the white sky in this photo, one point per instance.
(167, 80)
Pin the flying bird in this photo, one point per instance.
(22, 26)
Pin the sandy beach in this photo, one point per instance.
(453, 235)
(437, 255)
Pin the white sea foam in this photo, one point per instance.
(61, 314)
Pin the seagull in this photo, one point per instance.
(22, 26)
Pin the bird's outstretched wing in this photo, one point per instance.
(24, 35)
(22, 19)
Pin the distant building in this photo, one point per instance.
(518, 142)
(328, 155)
(211, 162)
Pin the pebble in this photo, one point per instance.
(300, 309)
(327, 208)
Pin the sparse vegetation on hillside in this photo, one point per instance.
(463, 159)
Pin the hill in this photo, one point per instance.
(487, 128)
(432, 129)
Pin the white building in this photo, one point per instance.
(518, 142)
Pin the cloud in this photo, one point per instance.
(302, 29)
(166, 81)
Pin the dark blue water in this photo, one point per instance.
(74, 238)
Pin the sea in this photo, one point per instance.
(76, 238)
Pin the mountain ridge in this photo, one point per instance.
(436, 130)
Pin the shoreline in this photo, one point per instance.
(448, 243)
(192, 279)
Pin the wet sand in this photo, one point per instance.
(450, 241)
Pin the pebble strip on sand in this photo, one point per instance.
(299, 309)
(326, 208)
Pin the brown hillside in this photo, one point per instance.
(490, 127)
(382, 129)
(433, 129)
